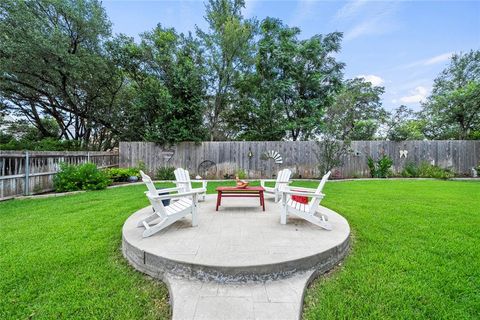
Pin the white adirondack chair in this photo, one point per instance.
(305, 211)
(183, 181)
(280, 183)
(166, 215)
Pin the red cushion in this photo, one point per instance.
(300, 199)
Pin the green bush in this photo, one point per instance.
(241, 174)
(410, 170)
(426, 170)
(165, 173)
(122, 174)
(80, 177)
(381, 167)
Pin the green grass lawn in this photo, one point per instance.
(415, 254)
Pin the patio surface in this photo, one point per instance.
(238, 256)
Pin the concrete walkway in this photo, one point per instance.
(279, 299)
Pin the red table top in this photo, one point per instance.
(240, 189)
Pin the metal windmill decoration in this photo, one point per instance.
(272, 154)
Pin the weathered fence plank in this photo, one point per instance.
(300, 156)
(15, 180)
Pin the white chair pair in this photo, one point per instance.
(186, 204)
(282, 181)
(305, 211)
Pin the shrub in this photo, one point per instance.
(426, 170)
(381, 167)
(80, 177)
(241, 174)
(122, 174)
(66, 178)
(165, 173)
(410, 170)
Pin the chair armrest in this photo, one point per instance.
(199, 190)
(179, 195)
(262, 181)
(301, 189)
(167, 190)
(304, 194)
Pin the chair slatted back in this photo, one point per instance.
(182, 178)
(152, 191)
(315, 202)
(282, 179)
(149, 183)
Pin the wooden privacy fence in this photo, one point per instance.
(31, 172)
(262, 159)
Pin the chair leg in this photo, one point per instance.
(148, 219)
(194, 211)
(283, 215)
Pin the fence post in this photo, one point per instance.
(88, 156)
(27, 173)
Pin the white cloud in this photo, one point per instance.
(350, 9)
(416, 95)
(430, 61)
(378, 19)
(375, 80)
(438, 59)
(303, 11)
(364, 28)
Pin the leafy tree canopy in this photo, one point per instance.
(404, 124)
(227, 46)
(165, 99)
(292, 84)
(453, 108)
(52, 63)
(356, 112)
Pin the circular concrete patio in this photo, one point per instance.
(238, 243)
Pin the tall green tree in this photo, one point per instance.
(52, 63)
(165, 96)
(293, 83)
(453, 108)
(405, 124)
(356, 113)
(227, 48)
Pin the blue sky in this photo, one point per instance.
(401, 45)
